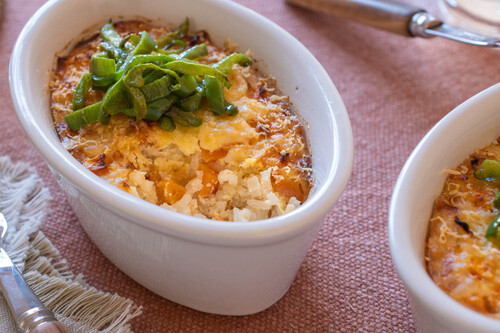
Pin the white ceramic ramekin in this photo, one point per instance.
(217, 267)
(472, 125)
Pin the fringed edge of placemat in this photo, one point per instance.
(25, 202)
(82, 307)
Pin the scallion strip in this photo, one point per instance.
(138, 101)
(134, 38)
(166, 123)
(81, 91)
(496, 200)
(158, 89)
(488, 170)
(192, 68)
(144, 58)
(184, 118)
(114, 100)
(119, 55)
(231, 109)
(215, 95)
(191, 103)
(181, 32)
(195, 52)
(109, 34)
(187, 84)
(83, 117)
(157, 108)
(101, 66)
(145, 46)
(226, 64)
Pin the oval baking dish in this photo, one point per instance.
(217, 267)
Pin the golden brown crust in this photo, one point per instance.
(459, 258)
(265, 135)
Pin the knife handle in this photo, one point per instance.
(382, 14)
(50, 327)
(40, 320)
(29, 313)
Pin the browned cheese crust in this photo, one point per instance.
(161, 166)
(459, 258)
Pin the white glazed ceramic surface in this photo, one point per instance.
(217, 267)
(472, 125)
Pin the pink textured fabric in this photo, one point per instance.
(395, 90)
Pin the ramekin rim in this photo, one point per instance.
(281, 226)
(406, 262)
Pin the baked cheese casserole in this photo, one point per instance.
(237, 156)
(463, 247)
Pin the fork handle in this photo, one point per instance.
(382, 14)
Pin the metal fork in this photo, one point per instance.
(30, 314)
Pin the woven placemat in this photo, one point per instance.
(395, 89)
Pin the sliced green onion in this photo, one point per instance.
(144, 58)
(489, 170)
(115, 53)
(157, 108)
(147, 86)
(81, 90)
(184, 118)
(181, 32)
(109, 34)
(215, 95)
(493, 233)
(134, 38)
(103, 83)
(181, 46)
(166, 123)
(135, 77)
(496, 200)
(83, 117)
(191, 103)
(231, 109)
(187, 84)
(158, 89)
(226, 64)
(138, 101)
(152, 76)
(114, 100)
(195, 52)
(145, 46)
(102, 66)
(192, 68)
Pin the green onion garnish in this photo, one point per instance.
(153, 80)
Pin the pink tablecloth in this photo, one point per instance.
(395, 89)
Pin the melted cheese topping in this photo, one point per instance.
(190, 169)
(464, 263)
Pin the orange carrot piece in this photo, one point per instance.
(209, 181)
(170, 191)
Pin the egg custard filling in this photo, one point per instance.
(171, 118)
(463, 246)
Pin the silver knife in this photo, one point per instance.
(30, 315)
(396, 17)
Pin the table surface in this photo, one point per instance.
(395, 89)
